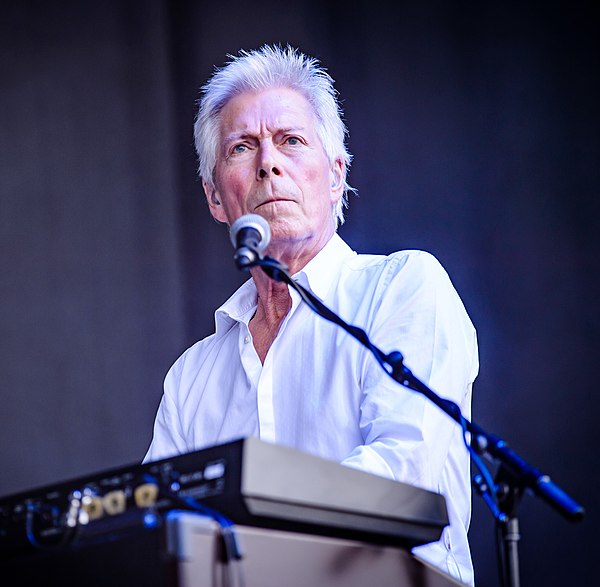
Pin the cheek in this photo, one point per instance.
(313, 176)
(317, 174)
(231, 180)
(318, 180)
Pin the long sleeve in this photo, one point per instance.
(405, 435)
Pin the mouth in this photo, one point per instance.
(274, 201)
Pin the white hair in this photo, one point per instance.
(265, 68)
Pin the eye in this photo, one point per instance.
(236, 149)
(292, 141)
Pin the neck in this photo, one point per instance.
(274, 302)
(295, 251)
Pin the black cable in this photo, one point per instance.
(233, 548)
(491, 445)
(392, 364)
(68, 533)
(229, 537)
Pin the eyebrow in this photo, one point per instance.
(233, 137)
(236, 136)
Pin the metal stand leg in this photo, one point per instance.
(508, 552)
(507, 531)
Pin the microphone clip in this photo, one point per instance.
(245, 257)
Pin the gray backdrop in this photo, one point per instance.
(475, 133)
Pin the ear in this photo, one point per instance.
(337, 179)
(214, 202)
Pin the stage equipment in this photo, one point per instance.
(247, 481)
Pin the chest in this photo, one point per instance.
(304, 392)
(263, 334)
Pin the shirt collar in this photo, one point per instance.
(321, 271)
(240, 307)
(318, 275)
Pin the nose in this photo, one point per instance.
(264, 172)
(267, 164)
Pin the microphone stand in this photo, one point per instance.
(514, 475)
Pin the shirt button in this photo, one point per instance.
(247, 339)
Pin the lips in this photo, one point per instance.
(274, 200)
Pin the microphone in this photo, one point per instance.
(250, 235)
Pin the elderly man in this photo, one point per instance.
(271, 141)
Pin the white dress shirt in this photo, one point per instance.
(322, 392)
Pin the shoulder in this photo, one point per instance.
(191, 358)
(409, 282)
(406, 266)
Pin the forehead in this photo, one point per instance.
(266, 110)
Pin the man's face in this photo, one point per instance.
(271, 162)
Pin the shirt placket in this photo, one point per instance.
(251, 365)
(267, 380)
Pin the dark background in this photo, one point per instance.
(474, 128)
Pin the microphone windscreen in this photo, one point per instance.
(252, 221)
